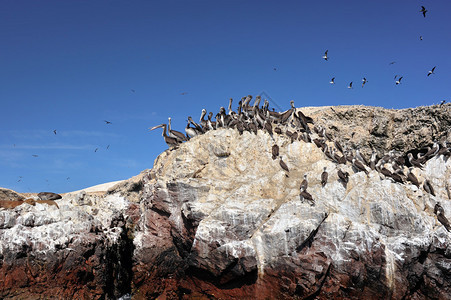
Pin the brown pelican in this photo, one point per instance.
(344, 176)
(360, 157)
(414, 162)
(428, 187)
(412, 178)
(338, 146)
(283, 165)
(275, 151)
(202, 121)
(190, 131)
(278, 130)
(373, 160)
(174, 133)
(324, 176)
(307, 196)
(172, 142)
(359, 166)
(304, 183)
(211, 125)
(197, 126)
(440, 212)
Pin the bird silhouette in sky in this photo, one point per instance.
(275, 69)
(421, 37)
(424, 11)
(392, 63)
(325, 55)
(332, 81)
(431, 71)
(34, 155)
(132, 90)
(107, 122)
(108, 147)
(364, 81)
(54, 131)
(398, 81)
(184, 93)
(96, 149)
(350, 85)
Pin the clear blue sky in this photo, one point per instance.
(70, 65)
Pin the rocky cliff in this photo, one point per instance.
(219, 218)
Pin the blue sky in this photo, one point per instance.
(70, 65)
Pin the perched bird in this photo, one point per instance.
(398, 81)
(107, 122)
(275, 151)
(424, 11)
(304, 183)
(428, 187)
(307, 196)
(350, 85)
(54, 131)
(344, 176)
(440, 212)
(283, 165)
(325, 55)
(364, 81)
(412, 178)
(359, 166)
(431, 71)
(324, 177)
(332, 81)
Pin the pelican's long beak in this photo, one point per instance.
(155, 127)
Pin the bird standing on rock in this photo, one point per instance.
(283, 165)
(275, 151)
(324, 177)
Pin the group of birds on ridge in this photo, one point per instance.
(397, 78)
(294, 125)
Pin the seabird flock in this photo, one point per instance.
(397, 82)
(296, 126)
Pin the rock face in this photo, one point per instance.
(219, 218)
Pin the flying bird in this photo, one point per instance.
(132, 90)
(443, 102)
(431, 71)
(108, 147)
(184, 93)
(392, 63)
(96, 149)
(421, 37)
(398, 81)
(275, 69)
(34, 155)
(107, 122)
(364, 81)
(350, 85)
(325, 55)
(332, 81)
(424, 11)
(54, 131)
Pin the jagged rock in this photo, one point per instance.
(218, 218)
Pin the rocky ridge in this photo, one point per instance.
(219, 218)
